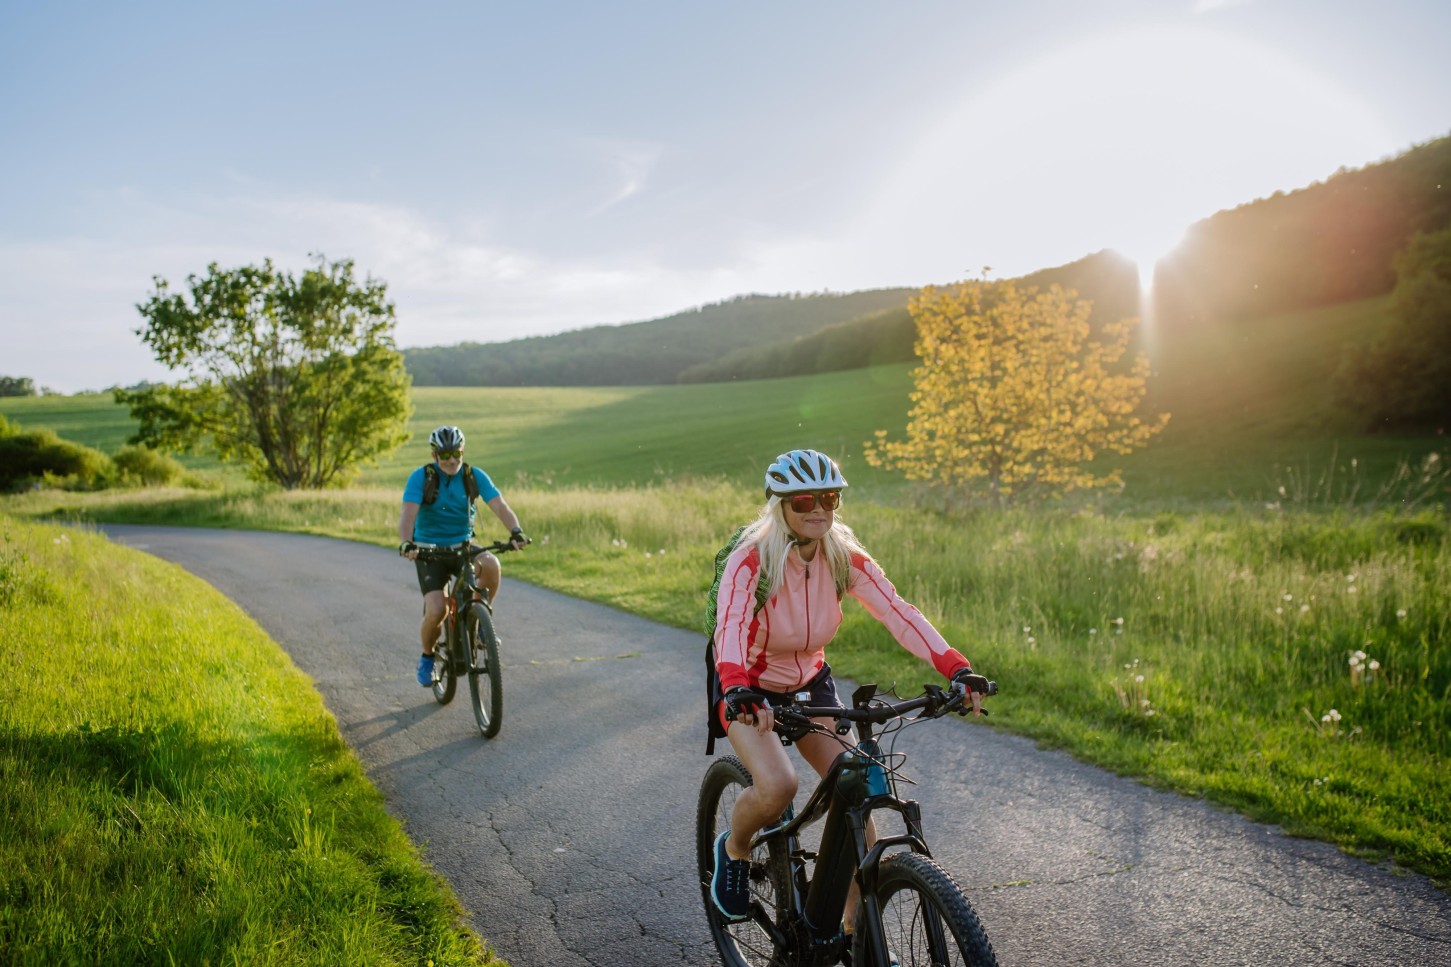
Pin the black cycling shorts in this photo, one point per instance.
(434, 573)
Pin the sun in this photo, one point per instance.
(1118, 141)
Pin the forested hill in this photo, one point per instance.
(1330, 243)
(640, 353)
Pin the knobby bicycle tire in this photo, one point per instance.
(445, 678)
(925, 918)
(486, 684)
(743, 943)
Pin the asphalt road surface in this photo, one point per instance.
(568, 837)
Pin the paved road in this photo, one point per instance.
(568, 837)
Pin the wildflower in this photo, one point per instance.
(1330, 717)
(1304, 608)
(1400, 612)
(1287, 596)
(1117, 621)
(1139, 678)
(1373, 665)
(1093, 631)
(1032, 640)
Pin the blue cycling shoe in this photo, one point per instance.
(730, 882)
(425, 670)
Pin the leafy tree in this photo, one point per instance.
(297, 378)
(1014, 396)
(1403, 379)
(17, 386)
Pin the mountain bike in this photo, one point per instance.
(910, 911)
(470, 645)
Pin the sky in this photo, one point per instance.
(523, 168)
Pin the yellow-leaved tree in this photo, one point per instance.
(1015, 394)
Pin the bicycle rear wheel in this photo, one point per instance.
(925, 918)
(485, 682)
(760, 940)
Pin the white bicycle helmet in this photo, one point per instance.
(446, 438)
(803, 470)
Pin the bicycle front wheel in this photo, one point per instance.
(925, 918)
(444, 679)
(485, 683)
(758, 941)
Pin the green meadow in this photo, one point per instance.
(174, 791)
(1258, 618)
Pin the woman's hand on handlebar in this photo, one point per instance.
(968, 686)
(409, 550)
(750, 708)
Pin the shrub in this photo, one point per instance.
(146, 467)
(35, 456)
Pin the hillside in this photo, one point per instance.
(1326, 244)
(642, 353)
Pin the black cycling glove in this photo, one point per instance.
(405, 547)
(742, 701)
(964, 680)
(516, 536)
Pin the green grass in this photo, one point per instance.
(173, 790)
(1241, 622)
(1248, 405)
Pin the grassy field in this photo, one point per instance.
(1289, 661)
(1247, 404)
(172, 788)
(1260, 618)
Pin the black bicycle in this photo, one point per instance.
(910, 911)
(470, 645)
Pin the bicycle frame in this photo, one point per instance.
(856, 785)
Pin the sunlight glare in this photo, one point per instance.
(1117, 141)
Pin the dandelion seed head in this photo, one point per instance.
(1138, 678)
(1400, 612)
(1373, 665)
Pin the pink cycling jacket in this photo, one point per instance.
(781, 647)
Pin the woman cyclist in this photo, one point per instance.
(807, 558)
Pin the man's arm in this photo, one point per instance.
(405, 521)
(501, 510)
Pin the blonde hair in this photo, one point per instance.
(773, 539)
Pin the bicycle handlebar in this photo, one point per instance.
(429, 552)
(934, 699)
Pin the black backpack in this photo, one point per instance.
(430, 483)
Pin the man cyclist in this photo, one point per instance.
(438, 508)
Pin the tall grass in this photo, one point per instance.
(171, 788)
(1288, 660)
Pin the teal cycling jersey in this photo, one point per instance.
(450, 518)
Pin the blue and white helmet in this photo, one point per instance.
(803, 470)
(446, 438)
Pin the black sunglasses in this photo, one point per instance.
(449, 454)
(805, 503)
